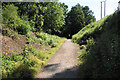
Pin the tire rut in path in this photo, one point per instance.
(63, 64)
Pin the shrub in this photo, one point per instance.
(23, 27)
(43, 38)
(12, 20)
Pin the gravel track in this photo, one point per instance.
(63, 64)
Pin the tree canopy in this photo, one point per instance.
(76, 19)
(88, 15)
(54, 18)
(50, 17)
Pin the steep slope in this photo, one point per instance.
(23, 55)
(92, 29)
(101, 56)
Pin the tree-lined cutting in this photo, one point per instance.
(33, 32)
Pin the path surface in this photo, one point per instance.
(63, 64)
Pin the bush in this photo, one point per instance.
(43, 38)
(12, 20)
(23, 27)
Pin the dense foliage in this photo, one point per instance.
(53, 18)
(88, 15)
(101, 55)
(12, 19)
(24, 18)
(76, 19)
(47, 17)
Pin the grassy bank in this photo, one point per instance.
(101, 55)
(31, 59)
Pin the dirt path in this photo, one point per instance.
(63, 64)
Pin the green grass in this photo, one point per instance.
(88, 31)
(101, 57)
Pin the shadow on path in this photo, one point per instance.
(50, 67)
(63, 64)
(68, 73)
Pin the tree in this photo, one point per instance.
(33, 12)
(88, 15)
(36, 17)
(53, 18)
(12, 20)
(65, 7)
(74, 21)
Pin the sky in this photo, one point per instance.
(94, 5)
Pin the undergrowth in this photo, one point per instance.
(101, 57)
(43, 39)
(6, 31)
(27, 64)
